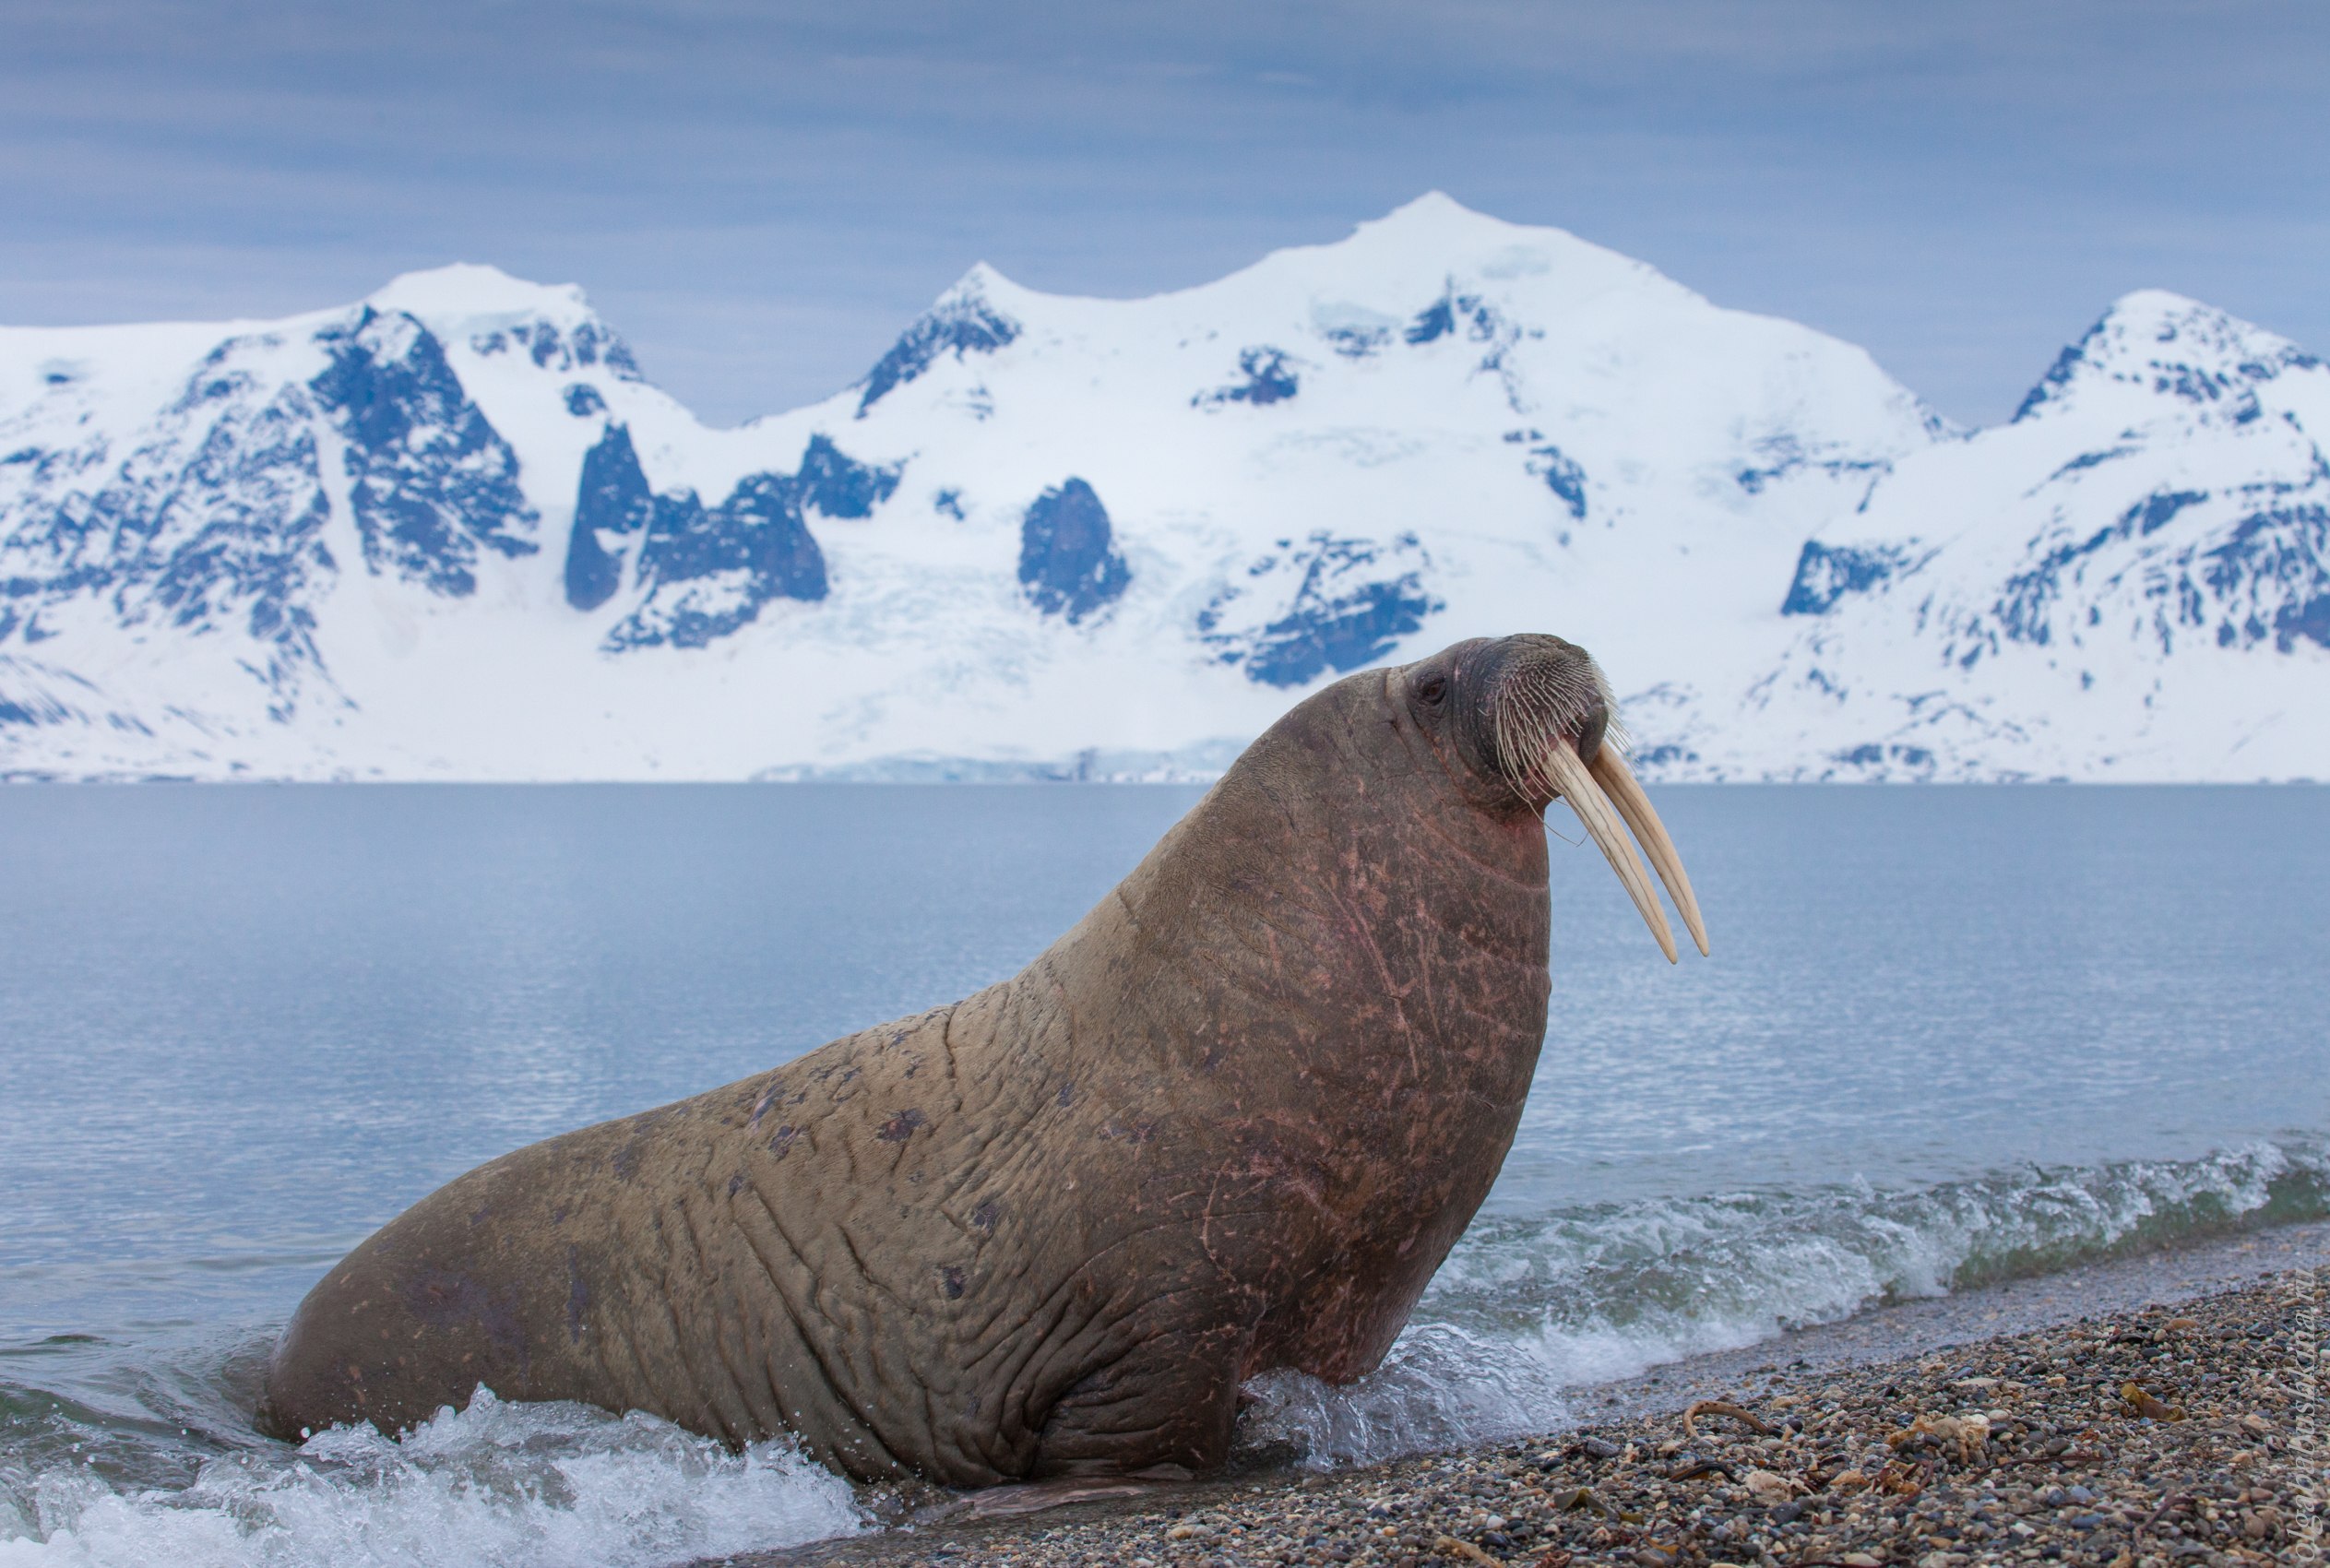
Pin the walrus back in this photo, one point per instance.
(824, 1249)
(493, 1280)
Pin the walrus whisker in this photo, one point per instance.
(1625, 792)
(1523, 720)
(1501, 722)
(1536, 714)
(1510, 757)
(1594, 809)
(1540, 723)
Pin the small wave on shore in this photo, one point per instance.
(1527, 1308)
(150, 1458)
(502, 1484)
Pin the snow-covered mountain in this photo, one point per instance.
(2130, 579)
(452, 532)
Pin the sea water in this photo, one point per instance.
(1948, 1036)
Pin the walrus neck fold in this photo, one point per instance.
(1337, 964)
(1337, 863)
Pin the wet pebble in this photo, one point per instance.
(2021, 1451)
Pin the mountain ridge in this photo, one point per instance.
(452, 530)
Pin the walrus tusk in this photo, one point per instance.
(1625, 792)
(1593, 808)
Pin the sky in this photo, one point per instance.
(760, 195)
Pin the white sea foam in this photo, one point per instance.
(1524, 1310)
(512, 1486)
(1439, 1388)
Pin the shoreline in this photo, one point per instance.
(1903, 1330)
(1988, 1426)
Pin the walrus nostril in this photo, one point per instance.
(1590, 730)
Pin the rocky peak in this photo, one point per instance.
(2163, 345)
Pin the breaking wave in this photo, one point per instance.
(1527, 1308)
(509, 1485)
(1527, 1311)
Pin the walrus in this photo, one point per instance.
(1232, 1121)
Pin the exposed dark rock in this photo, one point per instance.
(588, 344)
(430, 480)
(704, 571)
(1268, 380)
(613, 499)
(1068, 561)
(2284, 551)
(1326, 604)
(2193, 354)
(216, 515)
(838, 485)
(964, 324)
(1561, 476)
(1433, 322)
(1357, 342)
(1826, 573)
(707, 572)
(1442, 317)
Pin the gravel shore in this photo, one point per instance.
(2145, 1437)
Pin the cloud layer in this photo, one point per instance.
(760, 196)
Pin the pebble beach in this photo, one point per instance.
(2144, 1436)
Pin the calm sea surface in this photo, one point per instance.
(1947, 1035)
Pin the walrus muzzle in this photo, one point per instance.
(1556, 737)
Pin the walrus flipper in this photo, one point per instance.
(1168, 1401)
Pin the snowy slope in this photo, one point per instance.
(2129, 580)
(452, 532)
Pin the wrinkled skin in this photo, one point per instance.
(1232, 1121)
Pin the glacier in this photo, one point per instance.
(453, 532)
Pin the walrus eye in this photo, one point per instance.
(1432, 688)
